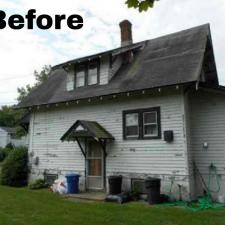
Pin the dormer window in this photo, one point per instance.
(80, 76)
(93, 73)
(87, 74)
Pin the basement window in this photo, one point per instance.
(142, 124)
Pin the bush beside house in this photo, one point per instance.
(4, 152)
(15, 168)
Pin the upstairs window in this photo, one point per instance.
(87, 74)
(80, 76)
(142, 124)
(93, 73)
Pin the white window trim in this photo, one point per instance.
(146, 124)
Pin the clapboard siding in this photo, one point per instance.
(104, 70)
(133, 156)
(208, 125)
(3, 138)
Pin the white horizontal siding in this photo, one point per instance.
(104, 70)
(133, 156)
(208, 125)
(3, 138)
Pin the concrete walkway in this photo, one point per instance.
(93, 196)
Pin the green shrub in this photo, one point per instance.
(10, 146)
(4, 152)
(15, 169)
(38, 184)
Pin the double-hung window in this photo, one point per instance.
(142, 124)
(93, 72)
(150, 124)
(87, 73)
(132, 125)
(80, 76)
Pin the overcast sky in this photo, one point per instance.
(23, 51)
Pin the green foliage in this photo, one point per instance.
(141, 5)
(40, 77)
(10, 146)
(23, 92)
(4, 152)
(20, 131)
(38, 184)
(9, 116)
(15, 169)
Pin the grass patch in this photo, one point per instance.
(21, 206)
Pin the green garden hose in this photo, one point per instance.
(204, 202)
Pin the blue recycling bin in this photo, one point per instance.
(72, 183)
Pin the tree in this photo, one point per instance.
(9, 116)
(141, 5)
(40, 77)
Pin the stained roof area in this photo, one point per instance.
(169, 60)
(86, 129)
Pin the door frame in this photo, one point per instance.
(103, 161)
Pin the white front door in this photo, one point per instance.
(95, 166)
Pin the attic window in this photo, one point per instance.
(87, 73)
(80, 76)
(93, 72)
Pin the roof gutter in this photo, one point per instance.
(101, 97)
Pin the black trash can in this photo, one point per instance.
(152, 186)
(115, 185)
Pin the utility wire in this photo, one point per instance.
(15, 78)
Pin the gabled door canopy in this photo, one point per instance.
(87, 129)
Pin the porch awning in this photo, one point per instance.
(86, 129)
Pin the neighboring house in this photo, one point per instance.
(153, 108)
(8, 135)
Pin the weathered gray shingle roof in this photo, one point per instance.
(169, 60)
(90, 129)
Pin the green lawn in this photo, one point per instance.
(19, 206)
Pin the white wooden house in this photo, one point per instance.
(153, 108)
(8, 135)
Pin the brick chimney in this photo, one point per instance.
(126, 33)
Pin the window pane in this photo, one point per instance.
(94, 150)
(94, 167)
(150, 130)
(80, 76)
(150, 117)
(132, 131)
(92, 74)
(132, 119)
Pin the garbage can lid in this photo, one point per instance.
(152, 179)
(115, 177)
(72, 175)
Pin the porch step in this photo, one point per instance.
(93, 196)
